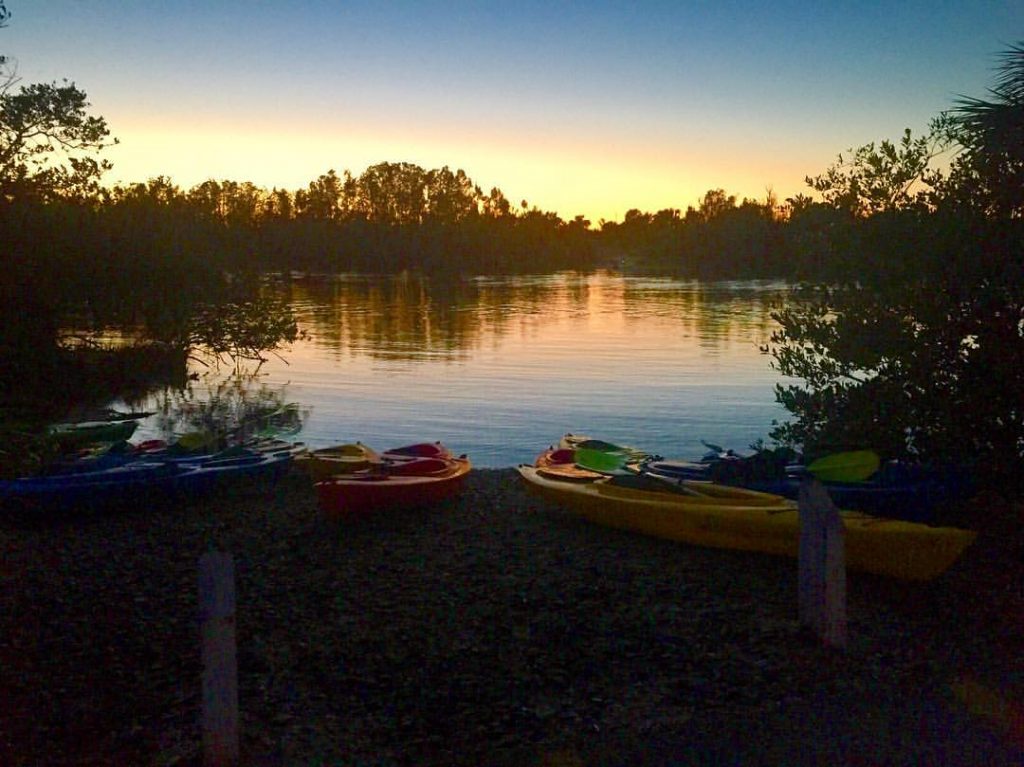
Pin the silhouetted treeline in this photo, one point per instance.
(148, 254)
(397, 217)
(717, 239)
(393, 217)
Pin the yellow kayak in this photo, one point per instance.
(905, 550)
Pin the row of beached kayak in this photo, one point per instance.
(622, 488)
(610, 485)
(350, 480)
(127, 474)
(855, 479)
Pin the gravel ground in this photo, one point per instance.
(493, 630)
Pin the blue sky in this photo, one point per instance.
(582, 109)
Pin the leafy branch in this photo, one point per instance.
(242, 331)
(878, 178)
(40, 120)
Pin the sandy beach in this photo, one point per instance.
(496, 629)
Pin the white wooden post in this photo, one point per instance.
(220, 667)
(822, 565)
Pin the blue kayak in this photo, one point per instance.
(897, 490)
(124, 453)
(145, 479)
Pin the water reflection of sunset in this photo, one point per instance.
(500, 366)
(407, 317)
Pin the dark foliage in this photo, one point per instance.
(914, 341)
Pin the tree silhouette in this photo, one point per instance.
(997, 126)
(992, 132)
(913, 343)
(40, 123)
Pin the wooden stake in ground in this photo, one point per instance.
(220, 666)
(822, 565)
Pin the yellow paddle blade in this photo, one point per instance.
(851, 466)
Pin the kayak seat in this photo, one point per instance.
(417, 467)
(562, 455)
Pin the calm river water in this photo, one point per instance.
(500, 367)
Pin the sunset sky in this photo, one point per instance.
(579, 108)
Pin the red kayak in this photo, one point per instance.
(412, 484)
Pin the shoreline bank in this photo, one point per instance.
(496, 629)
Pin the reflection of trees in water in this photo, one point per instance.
(236, 407)
(412, 317)
(404, 316)
(400, 316)
(716, 314)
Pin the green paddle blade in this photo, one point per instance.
(600, 461)
(600, 444)
(632, 453)
(852, 466)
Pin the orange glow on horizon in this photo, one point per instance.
(592, 176)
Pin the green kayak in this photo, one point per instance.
(71, 436)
